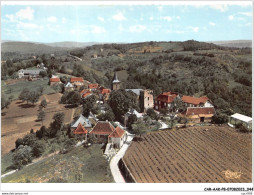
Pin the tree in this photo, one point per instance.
(56, 125)
(24, 95)
(139, 128)
(121, 101)
(43, 103)
(131, 120)
(88, 104)
(41, 116)
(219, 118)
(43, 74)
(22, 156)
(150, 112)
(178, 105)
(4, 102)
(18, 142)
(108, 115)
(43, 132)
(38, 148)
(33, 97)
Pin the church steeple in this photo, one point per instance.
(115, 82)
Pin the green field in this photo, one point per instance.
(80, 165)
(16, 88)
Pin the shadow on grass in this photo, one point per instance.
(20, 102)
(70, 106)
(26, 105)
(137, 139)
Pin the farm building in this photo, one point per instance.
(105, 132)
(197, 102)
(29, 73)
(165, 100)
(240, 119)
(54, 81)
(68, 87)
(85, 122)
(200, 114)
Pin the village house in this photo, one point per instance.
(104, 94)
(80, 130)
(105, 132)
(199, 114)
(77, 82)
(85, 122)
(165, 100)
(93, 87)
(197, 102)
(85, 93)
(33, 73)
(68, 87)
(54, 81)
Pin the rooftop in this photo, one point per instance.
(242, 117)
(103, 128)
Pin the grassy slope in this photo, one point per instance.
(88, 164)
(15, 89)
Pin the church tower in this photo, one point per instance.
(115, 83)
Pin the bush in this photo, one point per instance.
(38, 148)
(242, 128)
(22, 156)
(18, 142)
(150, 112)
(220, 118)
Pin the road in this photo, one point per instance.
(114, 161)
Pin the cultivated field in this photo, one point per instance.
(20, 118)
(192, 155)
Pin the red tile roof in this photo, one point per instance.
(75, 79)
(118, 133)
(54, 80)
(167, 97)
(194, 100)
(93, 86)
(80, 130)
(83, 91)
(200, 111)
(86, 94)
(103, 128)
(104, 91)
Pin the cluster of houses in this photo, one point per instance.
(103, 131)
(32, 73)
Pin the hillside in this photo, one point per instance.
(70, 44)
(190, 68)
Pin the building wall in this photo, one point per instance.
(208, 104)
(146, 100)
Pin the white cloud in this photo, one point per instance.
(137, 28)
(63, 20)
(193, 29)
(212, 23)
(151, 18)
(178, 17)
(179, 32)
(220, 7)
(120, 28)
(231, 17)
(160, 8)
(119, 17)
(141, 19)
(29, 26)
(97, 29)
(10, 17)
(52, 19)
(168, 18)
(101, 18)
(246, 13)
(25, 14)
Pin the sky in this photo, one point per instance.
(126, 23)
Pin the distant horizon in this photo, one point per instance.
(126, 23)
(122, 42)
